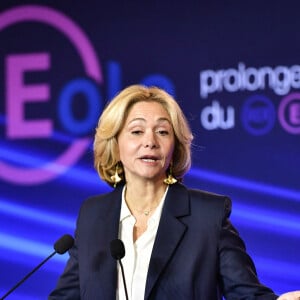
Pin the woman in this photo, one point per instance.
(179, 242)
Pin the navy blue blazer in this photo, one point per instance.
(197, 253)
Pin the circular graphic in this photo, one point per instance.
(92, 68)
(289, 113)
(258, 115)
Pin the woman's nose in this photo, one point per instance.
(150, 140)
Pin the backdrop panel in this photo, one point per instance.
(235, 71)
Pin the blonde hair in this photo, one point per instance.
(106, 151)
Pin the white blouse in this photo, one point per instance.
(137, 255)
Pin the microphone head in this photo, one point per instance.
(117, 249)
(63, 244)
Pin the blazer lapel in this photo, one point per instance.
(169, 234)
(106, 230)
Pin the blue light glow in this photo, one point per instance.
(266, 219)
(24, 212)
(245, 184)
(29, 247)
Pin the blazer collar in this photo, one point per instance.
(106, 230)
(169, 234)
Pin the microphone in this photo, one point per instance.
(61, 246)
(117, 251)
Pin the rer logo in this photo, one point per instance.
(18, 94)
(259, 115)
(289, 113)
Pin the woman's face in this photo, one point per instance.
(146, 142)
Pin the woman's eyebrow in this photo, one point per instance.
(159, 120)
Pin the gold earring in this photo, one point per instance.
(170, 179)
(116, 178)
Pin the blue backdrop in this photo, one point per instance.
(235, 71)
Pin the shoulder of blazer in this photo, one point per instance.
(181, 200)
(212, 200)
(104, 202)
(204, 200)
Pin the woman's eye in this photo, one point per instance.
(163, 132)
(136, 132)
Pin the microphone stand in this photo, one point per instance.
(123, 277)
(28, 275)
